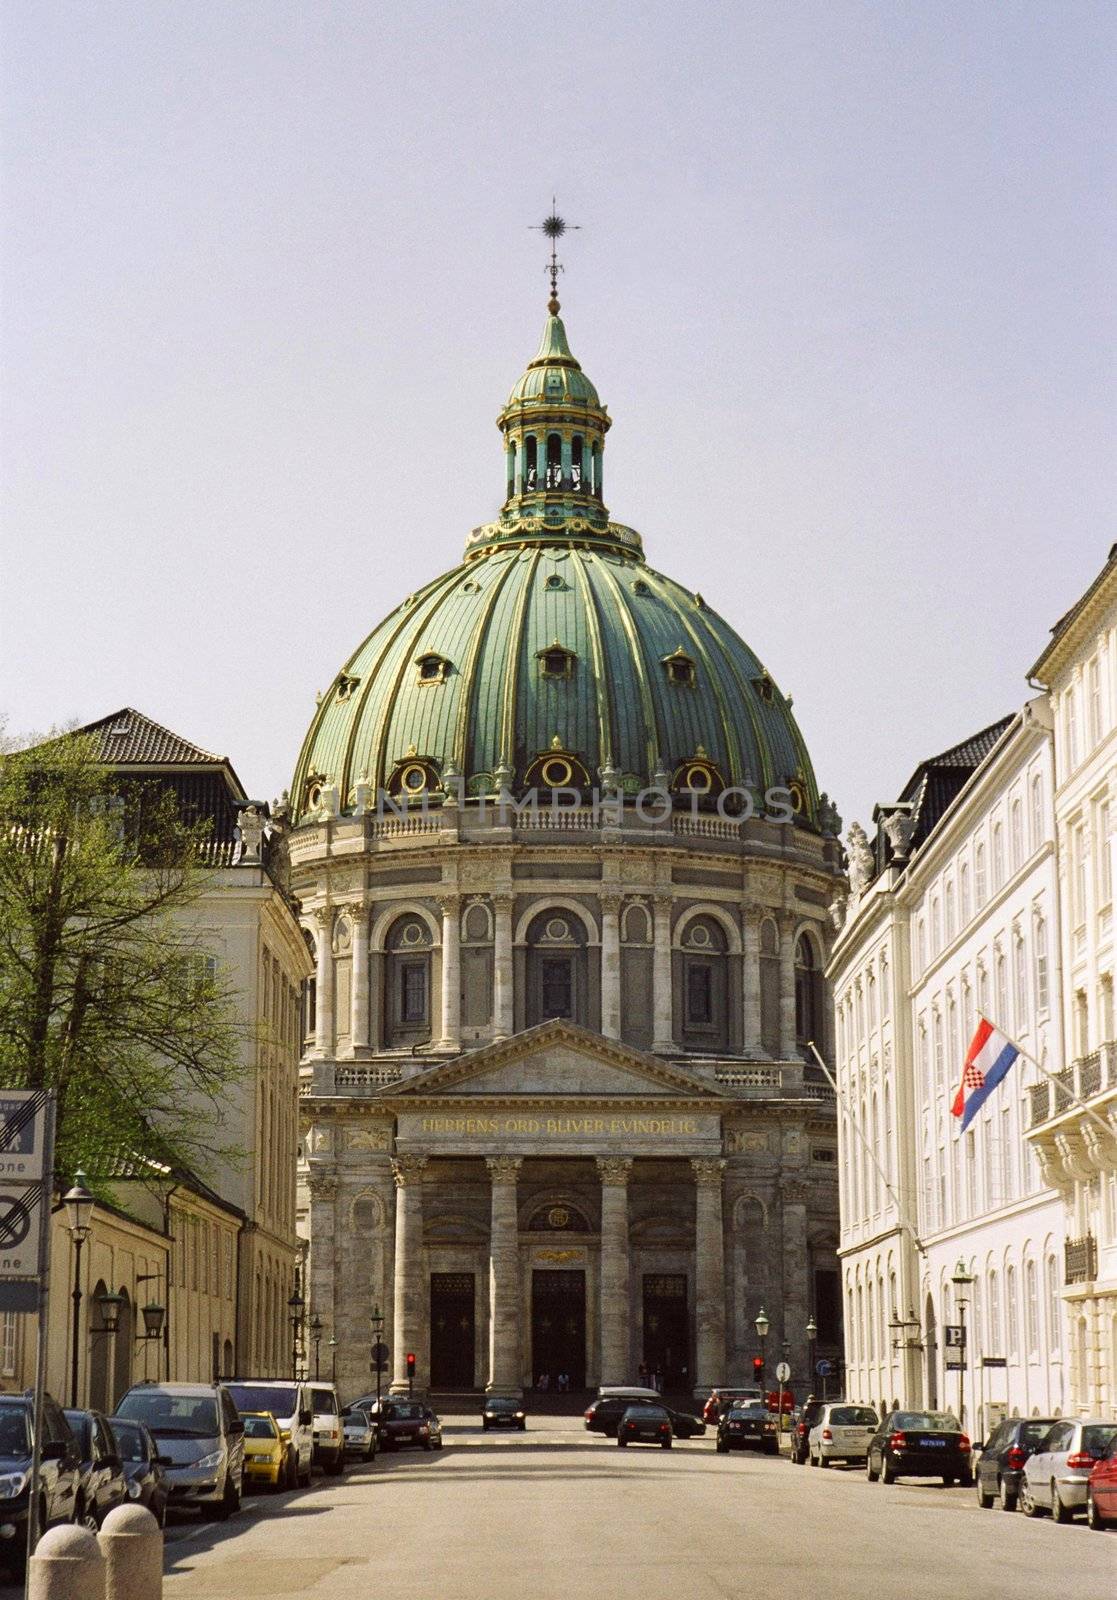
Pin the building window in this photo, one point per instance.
(1039, 936)
(1038, 829)
(998, 856)
(936, 927)
(1012, 1315)
(1093, 678)
(1000, 972)
(413, 991)
(407, 986)
(556, 961)
(1020, 982)
(557, 987)
(1031, 1303)
(948, 900)
(885, 990)
(1016, 834)
(705, 984)
(680, 669)
(964, 892)
(1054, 1305)
(1104, 866)
(994, 1314)
(808, 992)
(1072, 729)
(979, 874)
(9, 1328)
(556, 661)
(433, 668)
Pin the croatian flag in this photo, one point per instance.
(987, 1061)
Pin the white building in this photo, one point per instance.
(1079, 670)
(954, 915)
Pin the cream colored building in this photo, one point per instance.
(1077, 1154)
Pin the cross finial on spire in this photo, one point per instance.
(554, 227)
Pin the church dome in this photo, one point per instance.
(553, 656)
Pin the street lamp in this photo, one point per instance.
(812, 1339)
(762, 1326)
(156, 1325)
(332, 1348)
(377, 1320)
(108, 1304)
(79, 1209)
(296, 1306)
(961, 1279)
(316, 1334)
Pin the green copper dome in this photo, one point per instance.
(553, 649)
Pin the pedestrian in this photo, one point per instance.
(544, 1382)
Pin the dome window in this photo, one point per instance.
(557, 768)
(555, 582)
(346, 685)
(640, 587)
(556, 661)
(413, 777)
(698, 776)
(764, 687)
(680, 669)
(797, 789)
(433, 668)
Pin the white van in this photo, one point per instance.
(329, 1432)
(292, 1407)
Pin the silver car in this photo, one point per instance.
(842, 1433)
(199, 1429)
(360, 1433)
(1054, 1478)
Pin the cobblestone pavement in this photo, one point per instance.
(560, 1514)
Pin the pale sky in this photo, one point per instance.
(844, 279)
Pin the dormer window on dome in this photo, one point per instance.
(415, 775)
(556, 661)
(698, 776)
(433, 668)
(557, 768)
(764, 687)
(680, 668)
(346, 685)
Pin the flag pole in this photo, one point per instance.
(859, 1131)
(1074, 1099)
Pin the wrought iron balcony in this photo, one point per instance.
(1080, 1259)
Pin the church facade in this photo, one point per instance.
(566, 876)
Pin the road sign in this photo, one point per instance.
(824, 1368)
(380, 1354)
(994, 1361)
(954, 1335)
(22, 1129)
(783, 1372)
(955, 1360)
(19, 1230)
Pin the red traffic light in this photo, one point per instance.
(758, 1363)
(410, 1363)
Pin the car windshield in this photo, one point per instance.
(354, 1415)
(324, 1400)
(262, 1397)
(187, 1416)
(853, 1417)
(1097, 1440)
(80, 1428)
(409, 1411)
(259, 1428)
(14, 1436)
(751, 1412)
(1032, 1433)
(129, 1439)
(500, 1404)
(644, 1413)
(940, 1421)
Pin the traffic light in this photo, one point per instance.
(410, 1364)
(758, 1365)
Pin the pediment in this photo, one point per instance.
(562, 1059)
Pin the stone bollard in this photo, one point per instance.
(132, 1544)
(67, 1565)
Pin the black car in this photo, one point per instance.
(645, 1424)
(60, 1473)
(801, 1425)
(144, 1476)
(102, 1472)
(500, 1411)
(919, 1444)
(683, 1425)
(1001, 1463)
(604, 1414)
(749, 1427)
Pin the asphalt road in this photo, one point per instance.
(559, 1514)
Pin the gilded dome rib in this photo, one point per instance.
(602, 677)
(654, 733)
(507, 751)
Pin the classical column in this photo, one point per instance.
(788, 1048)
(503, 1011)
(709, 1274)
(611, 972)
(750, 985)
(324, 982)
(358, 917)
(451, 973)
(321, 1284)
(663, 1033)
(794, 1195)
(505, 1376)
(409, 1296)
(614, 1172)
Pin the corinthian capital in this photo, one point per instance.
(707, 1171)
(614, 1171)
(408, 1170)
(504, 1169)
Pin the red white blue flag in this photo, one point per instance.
(987, 1062)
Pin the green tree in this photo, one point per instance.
(106, 993)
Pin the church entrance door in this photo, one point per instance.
(558, 1326)
(452, 1330)
(666, 1328)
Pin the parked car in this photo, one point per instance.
(645, 1424)
(329, 1439)
(842, 1433)
(404, 1422)
(1101, 1492)
(1056, 1473)
(801, 1424)
(603, 1415)
(998, 1469)
(102, 1472)
(721, 1399)
(919, 1444)
(60, 1473)
(198, 1428)
(359, 1432)
(500, 1411)
(145, 1476)
(683, 1425)
(748, 1425)
(290, 1405)
(265, 1450)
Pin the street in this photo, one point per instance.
(561, 1514)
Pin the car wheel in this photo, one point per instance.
(230, 1501)
(966, 1479)
(1027, 1502)
(887, 1471)
(948, 1480)
(621, 1442)
(1059, 1511)
(666, 1444)
(1006, 1496)
(869, 1473)
(984, 1498)
(823, 1461)
(722, 1448)
(1094, 1518)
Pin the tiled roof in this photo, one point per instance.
(937, 782)
(1075, 611)
(128, 738)
(969, 754)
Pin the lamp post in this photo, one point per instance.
(79, 1209)
(332, 1348)
(377, 1320)
(155, 1323)
(812, 1339)
(762, 1326)
(961, 1279)
(316, 1335)
(296, 1307)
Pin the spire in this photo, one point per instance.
(553, 228)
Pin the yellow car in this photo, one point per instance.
(265, 1449)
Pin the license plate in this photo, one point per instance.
(933, 1444)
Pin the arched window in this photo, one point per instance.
(554, 461)
(511, 468)
(531, 463)
(705, 997)
(770, 987)
(556, 968)
(1054, 1305)
(407, 989)
(597, 473)
(808, 993)
(576, 448)
(1031, 1307)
